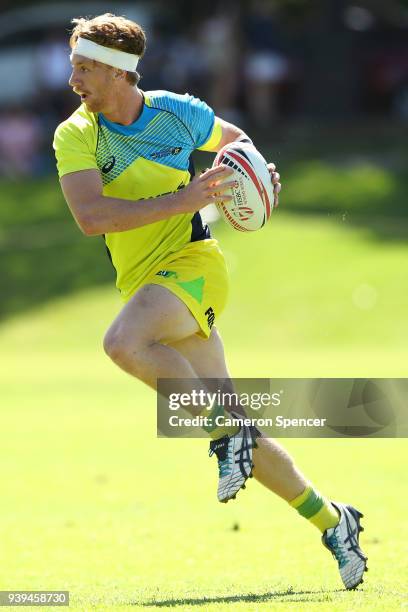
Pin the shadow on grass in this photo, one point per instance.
(249, 597)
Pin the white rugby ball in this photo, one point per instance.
(252, 196)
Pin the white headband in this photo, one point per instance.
(112, 57)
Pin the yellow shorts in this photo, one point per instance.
(198, 275)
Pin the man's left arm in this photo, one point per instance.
(223, 134)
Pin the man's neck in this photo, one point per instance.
(128, 107)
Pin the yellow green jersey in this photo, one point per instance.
(148, 158)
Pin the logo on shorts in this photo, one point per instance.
(167, 273)
(210, 317)
(107, 166)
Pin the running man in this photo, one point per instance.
(124, 164)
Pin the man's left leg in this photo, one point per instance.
(276, 470)
(155, 337)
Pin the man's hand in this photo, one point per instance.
(207, 188)
(275, 177)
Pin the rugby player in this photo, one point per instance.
(124, 164)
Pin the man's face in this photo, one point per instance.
(93, 82)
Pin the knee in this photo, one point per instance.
(119, 346)
(129, 351)
(112, 344)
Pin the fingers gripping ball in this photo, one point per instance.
(252, 194)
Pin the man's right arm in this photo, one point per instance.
(97, 214)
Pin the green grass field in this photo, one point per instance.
(92, 502)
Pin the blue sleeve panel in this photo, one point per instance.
(196, 115)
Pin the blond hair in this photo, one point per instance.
(114, 32)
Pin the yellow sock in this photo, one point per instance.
(316, 509)
(217, 431)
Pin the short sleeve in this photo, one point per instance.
(214, 138)
(196, 116)
(72, 151)
(200, 119)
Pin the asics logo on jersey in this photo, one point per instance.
(107, 166)
(166, 152)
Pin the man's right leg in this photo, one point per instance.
(274, 468)
(138, 339)
(155, 336)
